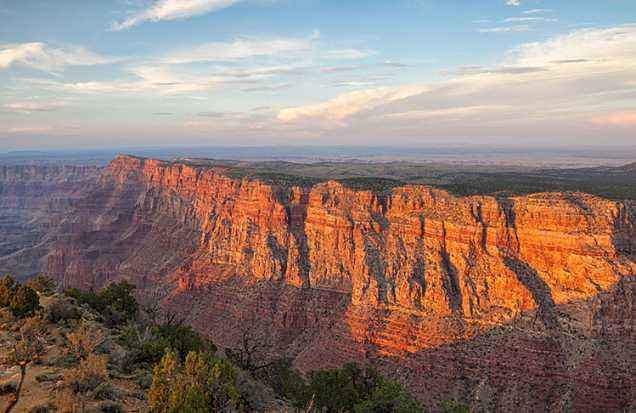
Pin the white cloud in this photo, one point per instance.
(173, 80)
(43, 57)
(506, 29)
(157, 79)
(347, 54)
(172, 10)
(617, 45)
(549, 87)
(452, 112)
(239, 49)
(348, 104)
(28, 107)
(537, 11)
(29, 130)
(528, 19)
(513, 2)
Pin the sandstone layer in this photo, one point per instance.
(519, 302)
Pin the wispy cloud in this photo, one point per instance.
(537, 11)
(506, 29)
(268, 88)
(448, 113)
(48, 58)
(239, 49)
(621, 119)
(171, 80)
(513, 2)
(337, 69)
(172, 10)
(529, 19)
(28, 107)
(348, 104)
(554, 86)
(31, 130)
(347, 54)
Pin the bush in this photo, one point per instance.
(150, 345)
(84, 341)
(115, 303)
(48, 377)
(43, 408)
(42, 284)
(7, 288)
(25, 301)
(61, 309)
(284, 380)
(20, 299)
(389, 396)
(111, 407)
(452, 406)
(104, 391)
(201, 384)
(348, 389)
(8, 388)
(62, 361)
(66, 401)
(120, 303)
(88, 375)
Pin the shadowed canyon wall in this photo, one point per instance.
(519, 303)
(33, 199)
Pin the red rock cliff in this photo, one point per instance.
(344, 274)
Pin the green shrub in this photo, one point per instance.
(119, 301)
(62, 361)
(115, 303)
(25, 301)
(61, 309)
(48, 377)
(8, 388)
(389, 396)
(150, 348)
(284, 380)
(42, 284)
(111, 407)
(202, 383)
(104, 391)
(347, 389)
(452, 406)
(20, 299)
(43, 408)
(144, 380)
(182, 339)
(7, 288)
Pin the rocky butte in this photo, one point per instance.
(520, 303)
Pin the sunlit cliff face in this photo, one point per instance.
(413, 280)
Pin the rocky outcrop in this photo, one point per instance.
(416, 280)
(33, 199)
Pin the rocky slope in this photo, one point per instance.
(499, 302)
(33, 198)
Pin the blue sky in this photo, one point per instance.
(406, 72)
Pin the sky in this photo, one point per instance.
(108, 73)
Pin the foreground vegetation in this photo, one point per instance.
(79, 351)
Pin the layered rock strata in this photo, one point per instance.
(497, 301)
(33, 199)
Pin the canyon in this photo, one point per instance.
(33, 200)
(506, 303)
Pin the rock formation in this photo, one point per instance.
(519, 302)
(33, 198)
